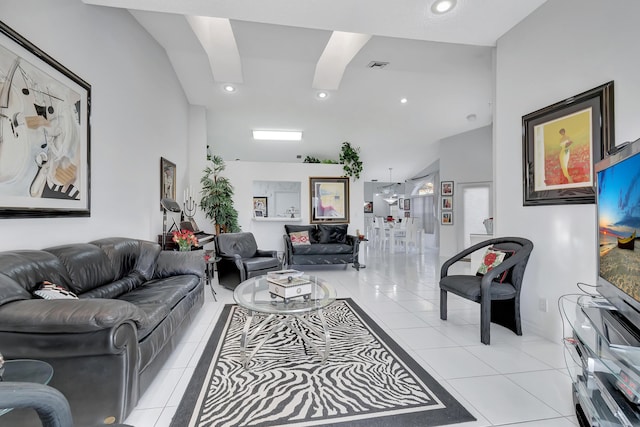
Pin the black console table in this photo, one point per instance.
(604, 363)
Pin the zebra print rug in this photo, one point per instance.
(368, 380)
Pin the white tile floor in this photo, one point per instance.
(515, 381)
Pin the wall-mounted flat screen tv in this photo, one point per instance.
(618, 206)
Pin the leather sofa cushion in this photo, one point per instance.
(154, 314)
(171, 263)
(28, 268)
(117, 288)
(167, 291)
(323, 249)
(88, 266)
(10, 290)
(129, 255)
(333, 233)
(243, 244)
(260, 263)
(312, 229)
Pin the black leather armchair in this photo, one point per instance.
(240, 258)
(499, 302)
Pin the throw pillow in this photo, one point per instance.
(48, 290)
(299, 238)
(311, 229)
(491, 259)
(333, 233)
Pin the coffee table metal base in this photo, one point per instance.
(276, 321)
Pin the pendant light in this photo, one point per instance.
(391, 199)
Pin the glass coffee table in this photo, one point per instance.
(272, 313)
(25, 370)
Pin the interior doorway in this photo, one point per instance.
(476, 203)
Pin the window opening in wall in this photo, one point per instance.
(475, 207)
(426, 189)
(422, 204)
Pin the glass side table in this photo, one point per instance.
(25, 370)
(210, 268)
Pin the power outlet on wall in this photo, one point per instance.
(543, 305)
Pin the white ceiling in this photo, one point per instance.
(441, 64)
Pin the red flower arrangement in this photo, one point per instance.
(185, 239)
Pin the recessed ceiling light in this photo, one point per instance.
(442, 6)
(277, 135)
(229, 88)
(322, 95)
(404, 100)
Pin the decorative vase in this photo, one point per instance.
(184, 247)
(488, 225)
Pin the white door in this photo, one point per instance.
(476, 206)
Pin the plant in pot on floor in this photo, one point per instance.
(217, 198)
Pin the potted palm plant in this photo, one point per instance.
(217, 198)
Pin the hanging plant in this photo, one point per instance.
(350, 160)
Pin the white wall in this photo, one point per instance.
(562, 49)
(139, 113)
(268, 234)
(464, 158)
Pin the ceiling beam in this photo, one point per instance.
(219, 43)
(339, 51)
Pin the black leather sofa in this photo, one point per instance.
(106, 347)
(320, 245)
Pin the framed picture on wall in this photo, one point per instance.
(44, 133)
(447, 218)
(401, 203)
(407, 204)
(561, 143)
(329, 200)
(368, 207)
(446, 188)
(447, 203)
(260, 205)
(167, 179)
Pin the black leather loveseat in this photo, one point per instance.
(321, 244)
(134, 302)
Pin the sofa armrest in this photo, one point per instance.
(174, 263)
(235, 259)
(231, 270)
(355, 242)
(270, 254)
(67, 316)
